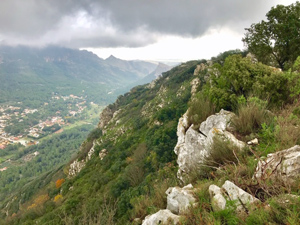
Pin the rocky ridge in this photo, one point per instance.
(194, 146)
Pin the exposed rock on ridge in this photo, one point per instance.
(230, 192)
(283, 165)
(180, 199)
(193, 146)
(105, 116)
(77, 166)
(163, 216)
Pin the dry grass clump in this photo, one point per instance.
(199, 109)
(222, 152)
(250, 117)
(288, 126)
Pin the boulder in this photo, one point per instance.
(193, 146)
(283, 165)
(164, 216)
(220, 121)
(218, 201)
(179, 199)
(230, 192)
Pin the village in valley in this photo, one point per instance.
(66, 109)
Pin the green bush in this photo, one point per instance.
(242, 77)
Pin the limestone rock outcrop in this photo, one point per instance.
(194, 85)
(180, 199)
(76, 167)
(105, 116)
(193, 146)
(230, 192)
(163, 216)
(92, 150)
(199, 68)
(283, 165)
(218, 200)
(102, 154)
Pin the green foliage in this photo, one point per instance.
(54, 152)
(241, 77)
(276, 41)
(281, 210)
(220, 59)
(234, 79)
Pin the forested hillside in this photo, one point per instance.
(32, 74)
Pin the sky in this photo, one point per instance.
(161, 30)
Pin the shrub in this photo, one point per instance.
(57, 198)
(135, 171)
(59, 182)
(237, 77)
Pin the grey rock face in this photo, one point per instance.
(283, 165)
(164, 216)
(76, 167)
(218, 201)
(180, 199)
(105, 116)
(102, 153)
(230, 192)
(193, 146)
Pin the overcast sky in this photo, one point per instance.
(133, 29)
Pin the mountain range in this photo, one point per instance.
(66, 71)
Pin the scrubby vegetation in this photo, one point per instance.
(130, 182)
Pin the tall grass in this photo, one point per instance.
(200, 107)
(250, 117)
(288, 126)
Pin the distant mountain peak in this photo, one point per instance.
(111, 57)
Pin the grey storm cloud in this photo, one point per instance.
(112, 23)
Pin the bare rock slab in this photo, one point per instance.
(193, 146)
(180, 199)
(283, 165)
(164, 216)
(230, 192)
